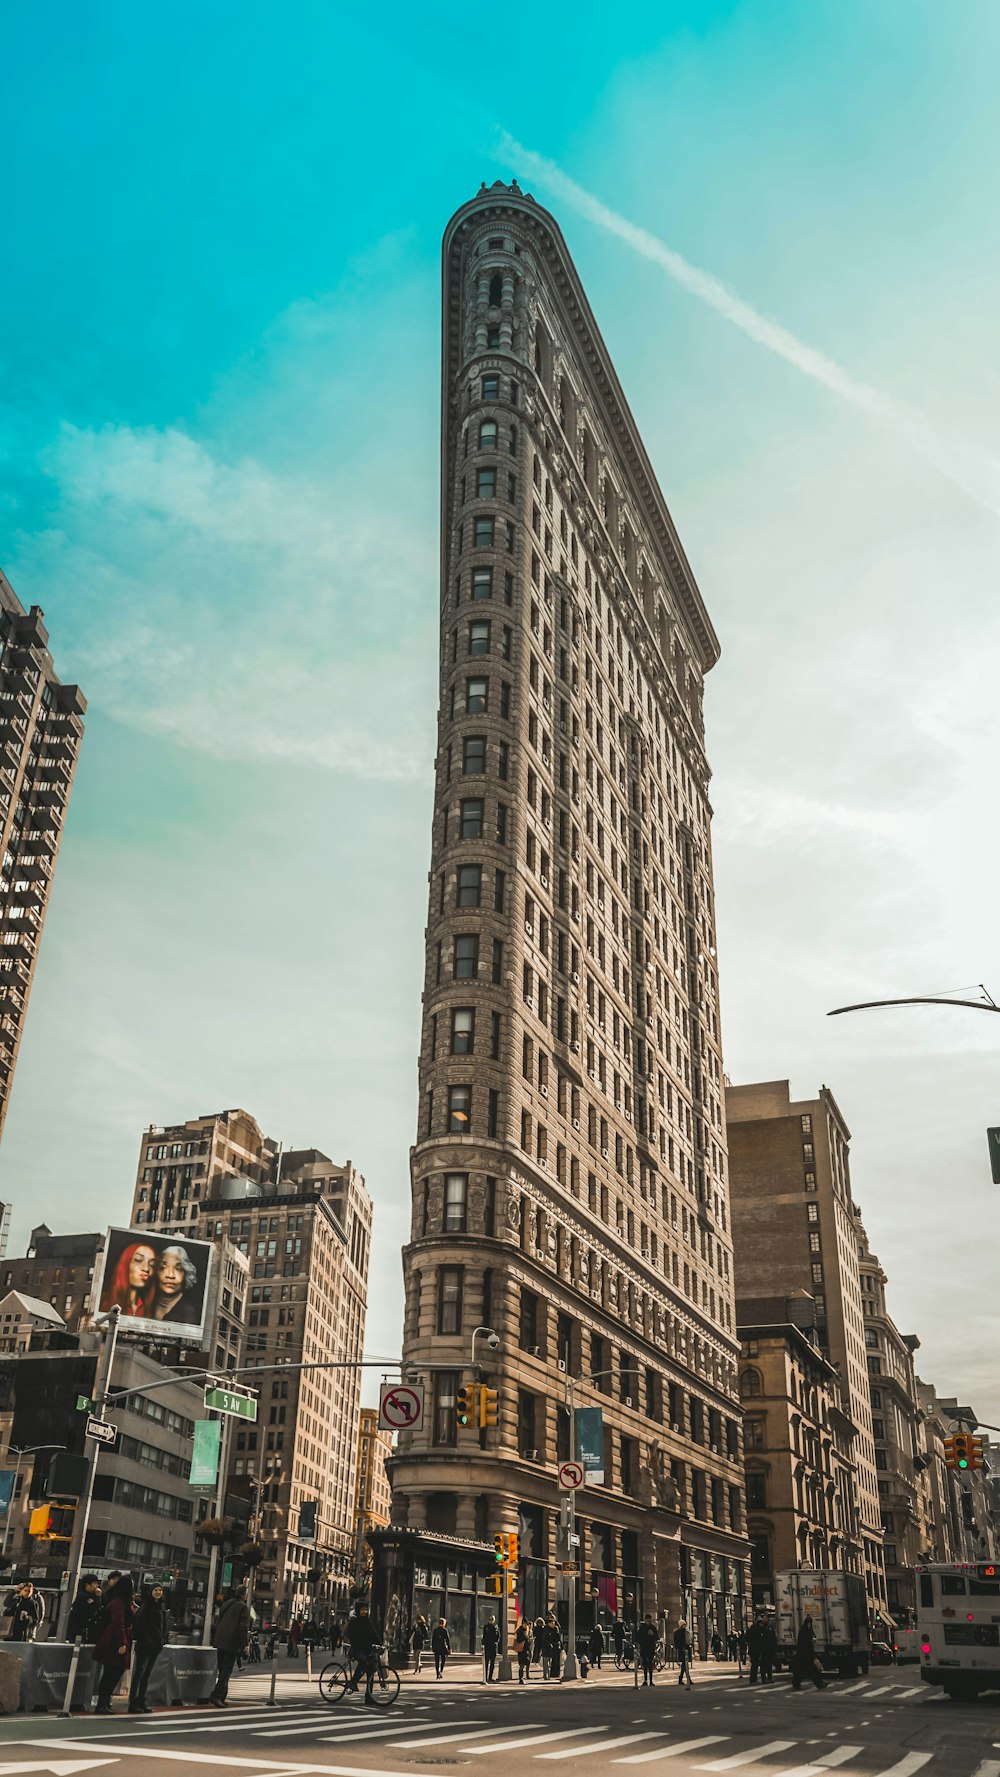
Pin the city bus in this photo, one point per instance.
(958, 1618)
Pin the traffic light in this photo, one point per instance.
(959, 1451)
(511, 1551)
(465, 1404)
(500, 1550)
(52, 1524)
(975, 1453)
(489, 1406)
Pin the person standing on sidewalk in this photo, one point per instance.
(113, 1647)
(595, 1647)
(646, 1638)
(491, 1647)
(149, 1638)
(523, 1647)
(418, 1638)
(618, 1637)
(231, 1634)
(682, 1647)
(440, 1646)
(553, 1646)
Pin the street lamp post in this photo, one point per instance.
(570, 1671)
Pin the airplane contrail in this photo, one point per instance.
(977, 475)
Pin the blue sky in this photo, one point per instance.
(218, 476)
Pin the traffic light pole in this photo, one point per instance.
(569, 1670)
(82, 1520)
(215, 1552)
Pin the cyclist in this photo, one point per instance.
(362, 1641)
(618, 1637)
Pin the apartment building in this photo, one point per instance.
(896, 1430)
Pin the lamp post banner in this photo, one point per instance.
(590, 1442)
(205, 1453)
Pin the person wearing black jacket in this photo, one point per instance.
(440, 1646)
(26, 1611)
(86, 1611)
(595, 1647)
(553, 1646)
(647, 1637)
(229, 1638)
(362, 1641)
(806, 1665)
(418, 1638)
(149, 1638)
(491, 1647)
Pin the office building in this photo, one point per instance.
(794, 1231)
(896, 1422)
(372, 1492)
(58, 1269)
(41, 727)
(569, 1172)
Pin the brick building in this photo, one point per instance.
(794, 1231)
(569, 1173)
(41, 727)
(59, 1269)
(372, 1492)
(896, 1422)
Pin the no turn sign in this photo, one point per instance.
(400, 1406)
(571, 1476)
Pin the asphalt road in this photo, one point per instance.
(888, 1725)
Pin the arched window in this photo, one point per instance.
(750, 1384)
(488, 435)
(496, 290)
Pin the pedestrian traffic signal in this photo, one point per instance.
(500, 1550)
(52, 1524)
(959, 1451)
(489, 1406)
(465, 1404)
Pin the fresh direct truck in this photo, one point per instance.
(837, 1604)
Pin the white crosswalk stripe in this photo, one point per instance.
(817, 1767)
(882, 1691)
(646, 1758)
(914, 1761)
(990, 1767)
(919, 1690)
(861, 1686)
(323, 1720)
(538, 1739)
(449, 1739)
(746, 1758)
(598, 1746)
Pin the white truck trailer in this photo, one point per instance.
(838, 1606)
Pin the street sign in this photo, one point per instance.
(101, 1431)
(993, 1137)
(571, 1476)
(224, 1400)
(400, 1406)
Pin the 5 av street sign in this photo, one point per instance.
(225, 1400)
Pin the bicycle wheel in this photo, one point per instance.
(620, 1662)
(333, 1682)
(385, 1685)
(658, 1662)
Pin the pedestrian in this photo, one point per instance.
(553, 1646)
(229, 1638)
(732, 1645)
(716, 1645)
(647, 1637)
(362, 1641)
(294, 1637)
(595, 1646)
(113, 1647)
(540, 1655)
(682, 1646)
(618, 1637)
(491, 1647)
(419, 1636)
(85, 1611)
(149, 1638)
(806, 1664)
(440, 1646)
(742, 1643)
(523, 1647)
(26, 1610)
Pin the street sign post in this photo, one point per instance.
(226, 1400)
(400, 1406)
(571, 1476)
(101, 1431)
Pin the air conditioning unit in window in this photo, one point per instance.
(529, 1000)
(595, 1295)
(628, 1401)
(576, 1122)
(628, 1116)
(575, 977)
(539, 1252)
(544, 1091)
(531, 1456)
(547, 822)
(604, 1151)
(534, 1351)
(675, 1428)
(529, 928)
(576, 797)
(575, 1048)
(544, 881)
(562, 1364)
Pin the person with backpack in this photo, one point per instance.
(440, 1647)
(149, 1638)
(419, 1637)
(524, 1648)
(682, 1647)
(229, 1638)
(113, 1647)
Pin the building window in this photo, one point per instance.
(492, 1112)
(528, 1321)
(760, 1556)
(483, 533)
(817, 1273)
(807, 1124)
(482, 583)
(466, 961)
(756, 1492)
(459, 1110)
(463, 1025)
(456, 1191)
(445, 1423)
(491, 384)
(750, 1386)
(812, 1212)
(814, 1244)
(469, 876)
(471, 819)
(488, 435)
(753, 1434)
(450, 1299)
(479, 638)
(526, 1444)
(476, 696)
(474, 755)
(486, 484)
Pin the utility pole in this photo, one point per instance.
(214, 1554)
(569, 1670)
(82, 1519)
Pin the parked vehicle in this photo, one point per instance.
(958, 1616)
(906, 1643)
(837, 1604)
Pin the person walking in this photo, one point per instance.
(149, 1638)
(113, 1648)
(618, 1637)
(553, 1646)
(682, 1648)
(523, 1647)
(229, 1638)
(294, 1637)
(806, 1664)
(362, 1641)
(440, 1646)
(647, 1637)
(491, 1647)
(742, 1645)
(26, 1611)
(419, 1636)
(595, 1647)
(539, 1654)
(716, 1645)
(755, 1649)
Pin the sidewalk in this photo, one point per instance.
(294, 1683)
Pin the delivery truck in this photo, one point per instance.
(838, 1606)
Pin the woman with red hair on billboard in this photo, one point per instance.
(130, 1286)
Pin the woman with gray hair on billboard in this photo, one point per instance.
(175, 1287)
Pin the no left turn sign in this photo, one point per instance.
(571, 1476)
(400, 1406)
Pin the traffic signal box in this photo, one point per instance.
(489, 1406)
(52, 1524)
(465, 1404)
(505, 1556)
(964, 1452)
(477, 1405)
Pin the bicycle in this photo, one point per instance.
(336, 1680)
(623, 1661)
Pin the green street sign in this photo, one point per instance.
(993, 1137)
(242, 1406)
(84, 1404)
